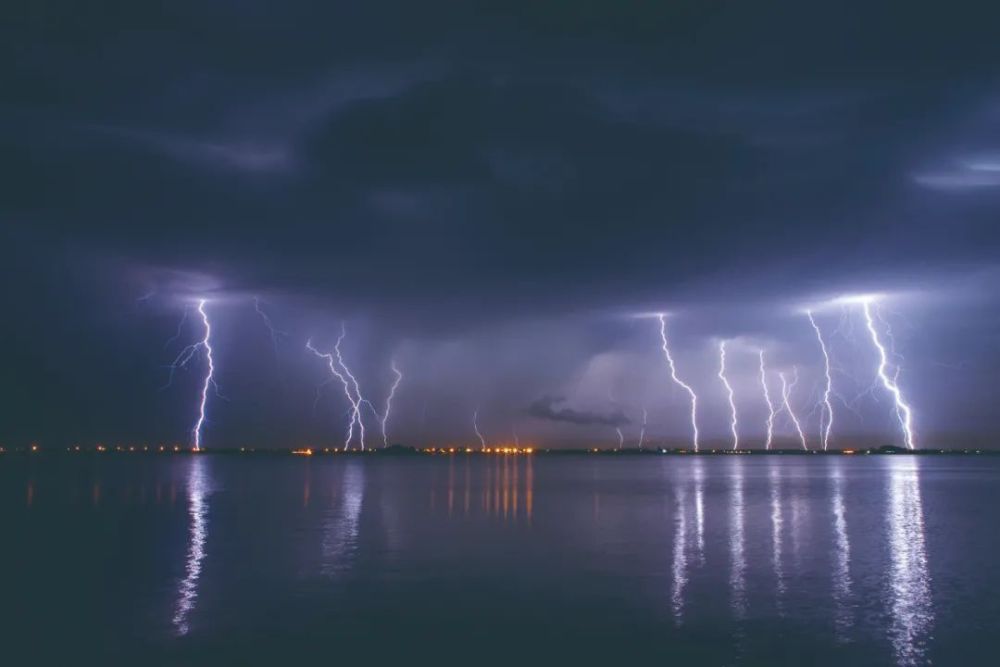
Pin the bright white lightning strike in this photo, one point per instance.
(677, 380)
(786, 390)
(207, 344)
(388, 402)
(182, 360)
(729, 393)
(770, 404)
(903, 412)
(826, 416)
(349, 382)
(475, 427)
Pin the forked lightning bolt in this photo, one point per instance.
(770, 404)
(903, 412)
(677, 380)
(388, 402)
(182, 360)
(786, 390)
(729, 392)
(351, 389)
(826, 416)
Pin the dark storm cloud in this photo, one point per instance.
(443, 169)
(548, 407)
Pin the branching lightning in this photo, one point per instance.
(206, 342)
(786, 390)
(182, 359)
(677, 380)
(770, 404)
(729, 393)
(351, 389)
(903, 412)
(388, 402)
(475, 427)
(826, 416)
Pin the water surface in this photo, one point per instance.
(708, 560)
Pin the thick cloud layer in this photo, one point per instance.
(489, 194)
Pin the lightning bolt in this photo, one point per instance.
(903, 411)
(207, 345)
(729, 393)
(786, 391)
(677, 380)
(388, 401)
(351, 389)
(825, 425)
(275, 332)
(770, 404)
(475, 427)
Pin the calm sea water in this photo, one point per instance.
(712, 560)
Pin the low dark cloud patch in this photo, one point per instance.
(551, 408)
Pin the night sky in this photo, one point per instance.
(497, 199)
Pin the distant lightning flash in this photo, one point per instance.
(903, 412)
(207, 344)
(475, 427)
(786, 391)
(825, 424)
(275, 332)
(677, 380)
(729, 392)
(770, 404)
(388, 401)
